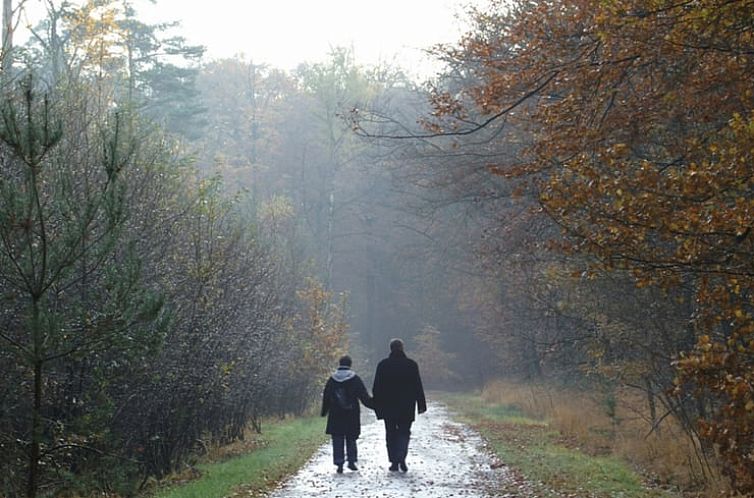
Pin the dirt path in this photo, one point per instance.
(446, 459)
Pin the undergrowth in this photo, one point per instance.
(282, 448)
(552, 463)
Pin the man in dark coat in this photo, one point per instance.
(340, 402)
(398, 392)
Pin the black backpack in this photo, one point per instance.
(340, 397)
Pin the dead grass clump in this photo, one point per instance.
(529, 398)
(616, 423)
(217, 452)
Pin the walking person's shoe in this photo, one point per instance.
(339, 470)
(403, 466)
(352, 466)
(393, 467)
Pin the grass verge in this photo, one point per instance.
(540, 456)
(283, 448)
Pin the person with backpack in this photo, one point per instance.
(340, 402)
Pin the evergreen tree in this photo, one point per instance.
(64, 262)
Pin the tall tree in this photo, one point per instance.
(44, 259)
(639, 122)
(134, 63)
(7, 47)
(333, 87)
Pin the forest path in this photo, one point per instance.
(446, 459)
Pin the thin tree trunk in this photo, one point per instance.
(36, 416)
(652, 406)
(330, 223)
(370, 341)
(7, 61)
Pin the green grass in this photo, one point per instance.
(287, 445)
(538, 453)
(472, 408)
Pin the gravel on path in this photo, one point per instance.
(446, 459)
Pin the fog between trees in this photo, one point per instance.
(188, 245)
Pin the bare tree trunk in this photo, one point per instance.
(652, 406)
(7, 59)
(369, 291)
(252, 95)
(131, 70)
(330, 223)
(36, 416)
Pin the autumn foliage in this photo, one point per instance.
(639, 136)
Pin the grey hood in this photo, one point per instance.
(343, 374)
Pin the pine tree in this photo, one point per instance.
(64, 260)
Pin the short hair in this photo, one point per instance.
(345, 361)
(396, 345)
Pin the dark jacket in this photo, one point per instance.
(340, 421)
(397, 388)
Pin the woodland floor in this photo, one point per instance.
(446, 459)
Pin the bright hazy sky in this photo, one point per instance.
(284, 33)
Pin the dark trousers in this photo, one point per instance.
(397, 434)
(338, 455)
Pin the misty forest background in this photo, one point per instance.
(187, 245)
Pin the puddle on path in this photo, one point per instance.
(446, 459)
